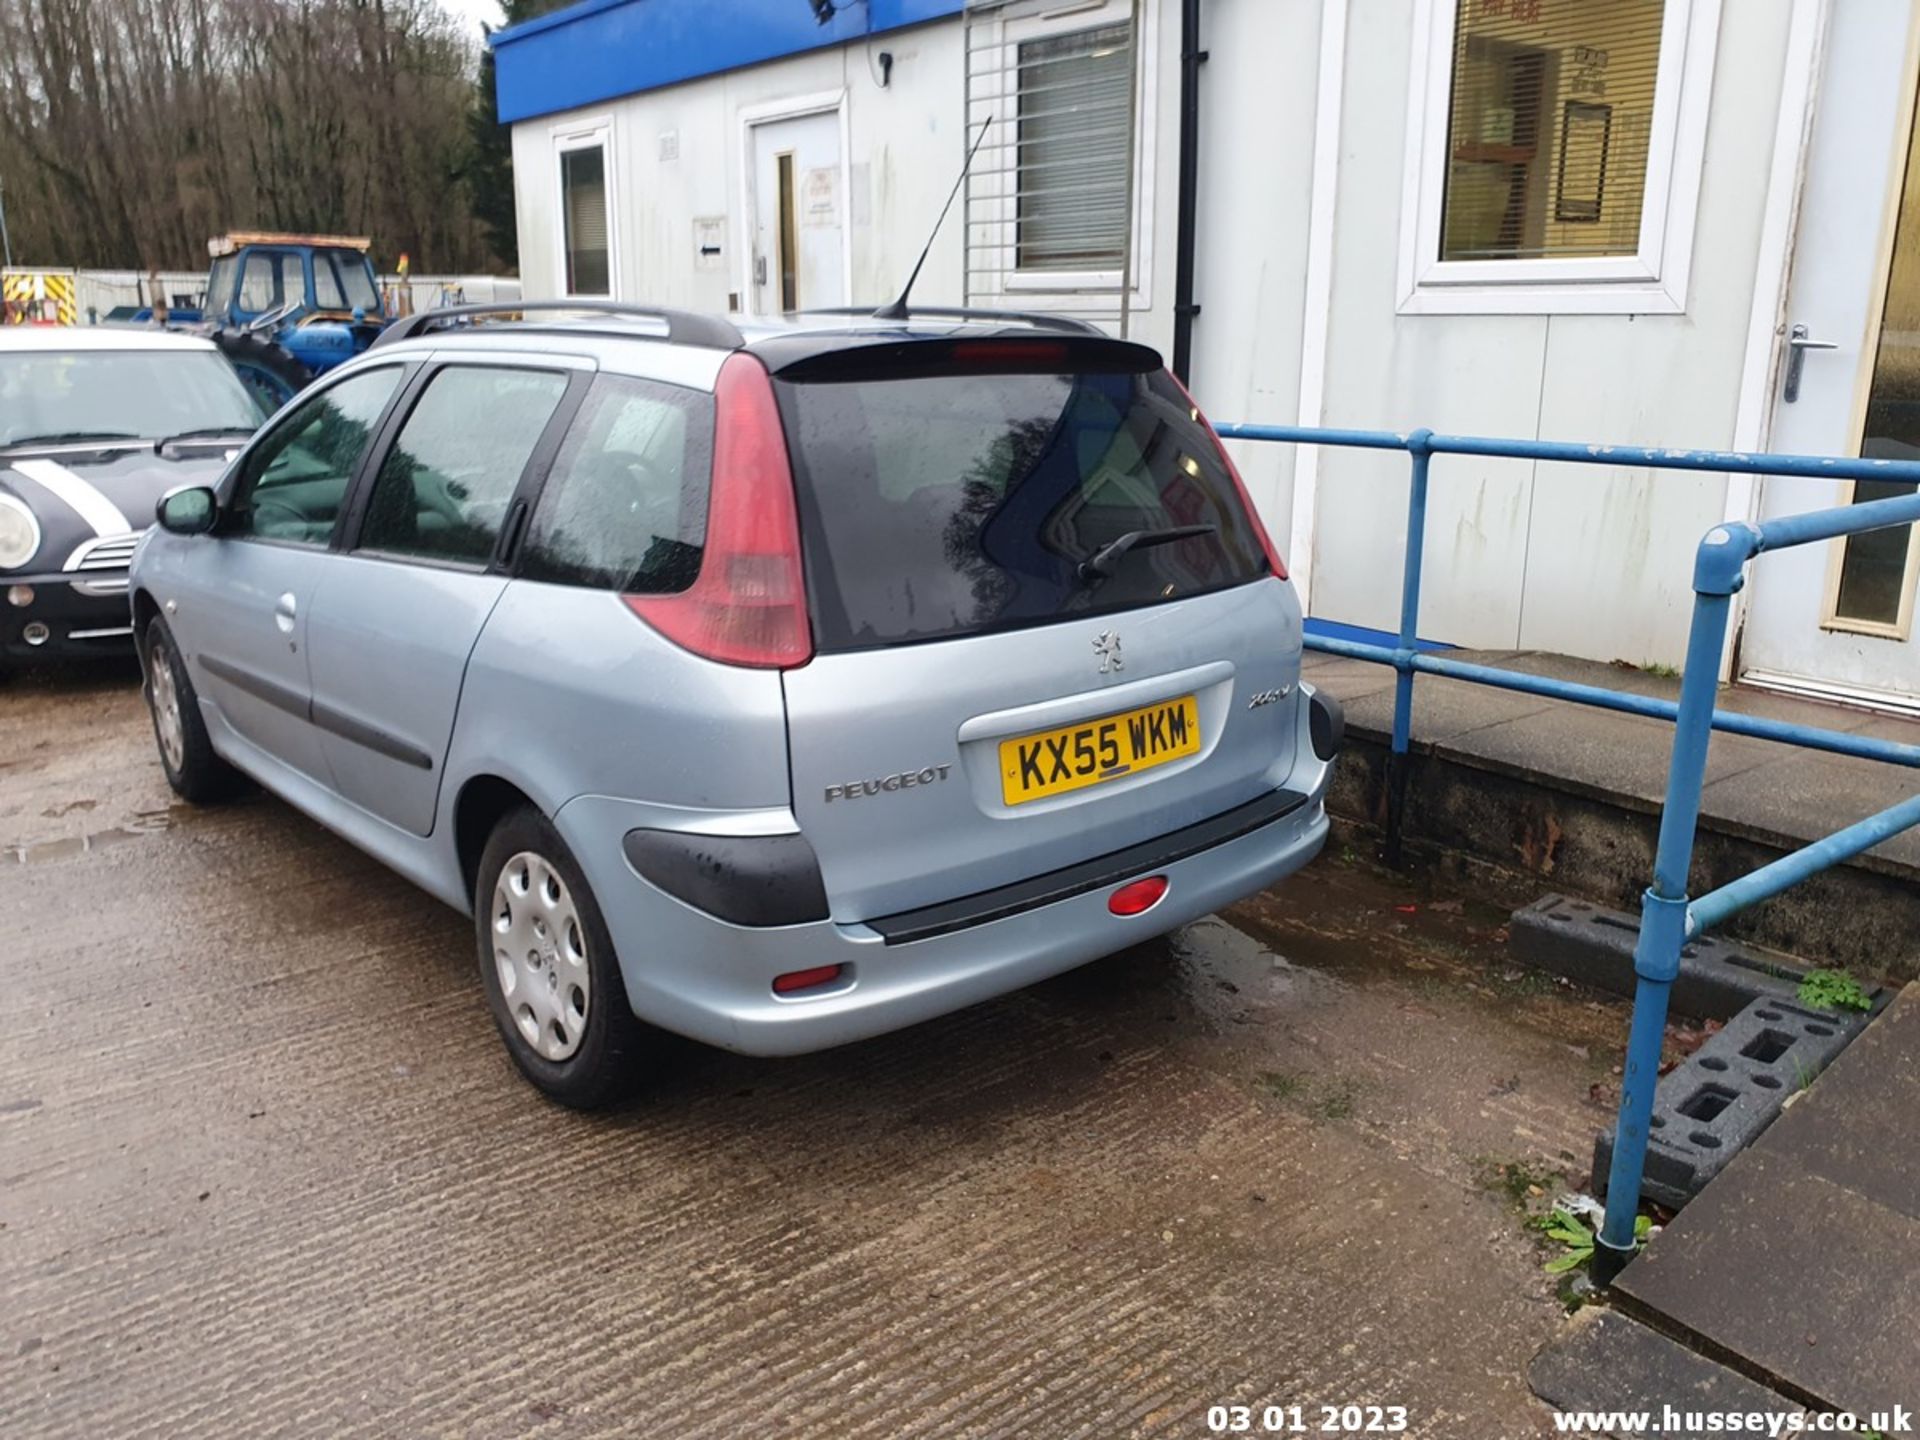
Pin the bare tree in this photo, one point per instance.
(132, 130)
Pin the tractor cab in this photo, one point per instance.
(315, 275)
(285, 308)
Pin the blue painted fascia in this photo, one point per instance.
(602, 49)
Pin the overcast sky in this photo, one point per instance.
(472, 13)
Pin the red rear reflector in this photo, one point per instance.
(1137, 897)
(1233, 470)
(804, 979)
(748, 605)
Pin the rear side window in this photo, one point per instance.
(444, 487)
(625, 504)
(957, 504)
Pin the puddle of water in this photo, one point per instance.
(1227, 977)
(147, 822)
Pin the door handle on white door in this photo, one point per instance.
(759, 269)
(1798, 343)
(284, 611)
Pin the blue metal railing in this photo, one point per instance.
(1668, 917)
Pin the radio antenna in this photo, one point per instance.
(898, 309)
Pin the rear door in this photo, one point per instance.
(397, 616)
(982, 708)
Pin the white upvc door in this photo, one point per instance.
(798, 213)
(1837, 619)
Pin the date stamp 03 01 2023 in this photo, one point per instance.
(1307, 1419)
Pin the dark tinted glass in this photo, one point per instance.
(963, 503)
(443, 489)
(625, 505)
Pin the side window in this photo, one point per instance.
(296, 480)
(259, 283)
(443, 489)
(326, 284)
(220, 285)
(625, 505)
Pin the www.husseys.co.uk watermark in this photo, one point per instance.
(1671, 1420)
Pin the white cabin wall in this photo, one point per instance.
(905, 146)
(1610, 564)
(1257, 99)
(1586, 561)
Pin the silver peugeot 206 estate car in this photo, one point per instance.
(776, 685)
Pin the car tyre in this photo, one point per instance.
(195, 772)
(550, 972)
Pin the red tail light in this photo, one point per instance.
(1246, 500)
(748, 605)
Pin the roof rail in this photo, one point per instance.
(961, 312)
(684, 327)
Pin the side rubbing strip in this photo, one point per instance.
(371, 737)
(260, 687)
(283, 697)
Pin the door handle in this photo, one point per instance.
(1799, 342)
(759, 269)
(285, 609)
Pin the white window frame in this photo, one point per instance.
(584, 135)
(1901, 627)
(1051, 21)
(1652, 281)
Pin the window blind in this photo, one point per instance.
(1549, 127)
(1075, 103)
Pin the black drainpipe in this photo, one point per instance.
(1191, 59)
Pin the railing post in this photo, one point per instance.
(1717, 576)
(1420, 447)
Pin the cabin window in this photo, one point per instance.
(1557, 144)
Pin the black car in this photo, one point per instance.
(96, 424)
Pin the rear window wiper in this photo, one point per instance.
(62, 437)
(1104, 561)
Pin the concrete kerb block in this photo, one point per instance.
(1594, 945)
(1719, 1100)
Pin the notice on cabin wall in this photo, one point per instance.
(709, 242)
(820, 196)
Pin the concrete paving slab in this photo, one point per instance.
(1345, 680)
(1607, 1361)
(1597, 752)
(1805, 1279)
(1803, 1257)
(1442, 710)
(1856, 1127)
(1803, 795)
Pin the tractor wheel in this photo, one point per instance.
(269, 368)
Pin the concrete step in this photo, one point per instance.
(1550, 795)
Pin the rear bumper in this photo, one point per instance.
(68, 615)
(689, 972)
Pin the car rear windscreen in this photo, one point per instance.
(957, 504)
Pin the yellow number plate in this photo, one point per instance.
(1073, 757)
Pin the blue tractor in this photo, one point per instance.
(284, 308)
